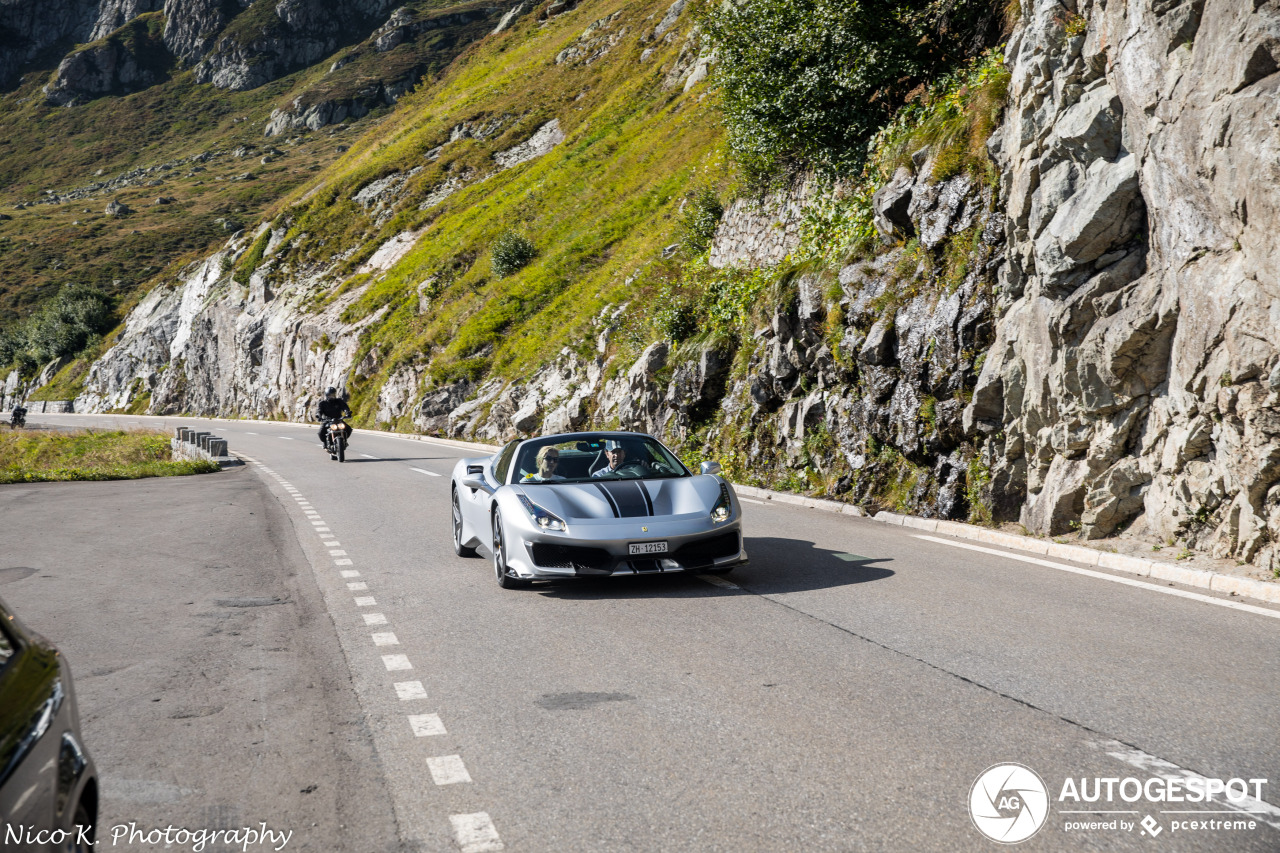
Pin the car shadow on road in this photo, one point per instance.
(777, 565)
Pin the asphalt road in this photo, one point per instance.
(843, 692)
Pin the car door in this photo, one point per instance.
(30, 697)
(475, 503)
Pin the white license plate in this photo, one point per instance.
(647, 548)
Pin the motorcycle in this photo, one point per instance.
(18, 418)
(335, 439)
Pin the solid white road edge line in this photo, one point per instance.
(751, 501)
(424, 471)
(1261, 810)
(475, 833)
(1180, 593)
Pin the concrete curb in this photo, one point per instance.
(1141, 566)
(799, 500)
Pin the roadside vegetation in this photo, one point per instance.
(35, 456)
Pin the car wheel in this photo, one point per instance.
(500, 570)
(75, 844)
(458, 548)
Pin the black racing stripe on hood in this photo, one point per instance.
(648, 499)
(613, 505)
(628, 499)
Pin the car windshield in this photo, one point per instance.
(591, 456)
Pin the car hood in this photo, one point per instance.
(611, 499)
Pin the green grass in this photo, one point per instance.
(599, 207)
(31, 457)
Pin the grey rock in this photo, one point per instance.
(891, 204)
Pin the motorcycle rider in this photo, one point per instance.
(18, 417)
(331, 408)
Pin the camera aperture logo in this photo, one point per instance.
(1009, 803)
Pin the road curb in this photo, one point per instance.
(1141, 566)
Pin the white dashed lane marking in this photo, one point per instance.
(475, 833)
(407, 690)
(448, 770)
(284, 438)
(720, 582)
(426, 725)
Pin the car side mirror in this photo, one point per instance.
(710, 467)
(474, 483)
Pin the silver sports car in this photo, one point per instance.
(594, 503)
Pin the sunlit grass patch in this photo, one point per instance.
(28, 456)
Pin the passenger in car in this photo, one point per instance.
(548, 458)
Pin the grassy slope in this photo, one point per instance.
(599, 207)
(43, 147)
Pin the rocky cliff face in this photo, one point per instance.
(128, 45)
(1135, 372)
(1092, 345)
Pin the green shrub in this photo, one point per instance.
(69, 323)
(698, 221)
(807, 82)
(511, 253)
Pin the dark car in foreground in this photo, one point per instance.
(48, 785)
(594, 504)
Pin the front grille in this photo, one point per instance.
(704, 552)
(576, 557)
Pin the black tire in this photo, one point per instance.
(342, 450)
(500, 570)
(458, 548)
(83, 817)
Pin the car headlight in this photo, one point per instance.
(723, 508)
(544, 518)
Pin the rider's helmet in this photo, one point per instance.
(332, 392)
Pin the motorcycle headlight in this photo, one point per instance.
(544, 518)
(724, 507)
